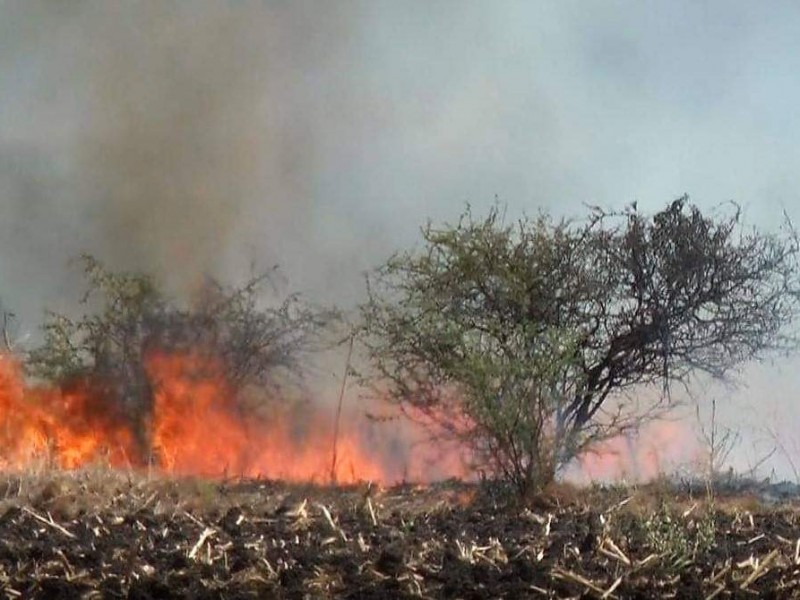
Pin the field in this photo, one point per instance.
(99, 533)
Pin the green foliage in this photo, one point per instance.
(128, 317)
(680, 538)
(522, 339)
(131, 305)
(453, 344)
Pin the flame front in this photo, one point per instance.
(659, 448)
(196, 427)
(68, 428)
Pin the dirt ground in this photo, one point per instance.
(101, 534)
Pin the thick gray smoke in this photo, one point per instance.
(160, 136)
(200, 137)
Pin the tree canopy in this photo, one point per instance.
(527, 331)
(128, 317)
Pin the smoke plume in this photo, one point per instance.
(154, 134)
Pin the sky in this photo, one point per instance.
(193, 138)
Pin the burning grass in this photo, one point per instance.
(102, 533)
(199, 426)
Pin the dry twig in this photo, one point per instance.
(207, 533)
(49, 521)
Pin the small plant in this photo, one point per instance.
(678, 537)
(718, 441)
(207, 491)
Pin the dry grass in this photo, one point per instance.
(98, 532)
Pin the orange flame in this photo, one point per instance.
(660, 447)
(196, 427)
(68, 427)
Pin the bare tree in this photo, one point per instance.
(528, 340)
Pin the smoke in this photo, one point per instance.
(186, 138)
(150, 134)
(191, 119)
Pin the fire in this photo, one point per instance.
(196, 426)
(199, 429)
(659, 447)
(68, 427)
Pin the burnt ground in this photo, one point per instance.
(98, 534)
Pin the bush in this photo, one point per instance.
(522, 340)
(130, 318)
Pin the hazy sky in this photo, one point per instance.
(195, 136)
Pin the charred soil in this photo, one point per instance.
(99, 533)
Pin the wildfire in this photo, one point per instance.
(659, 447)
(69, 427)
(196, 427)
